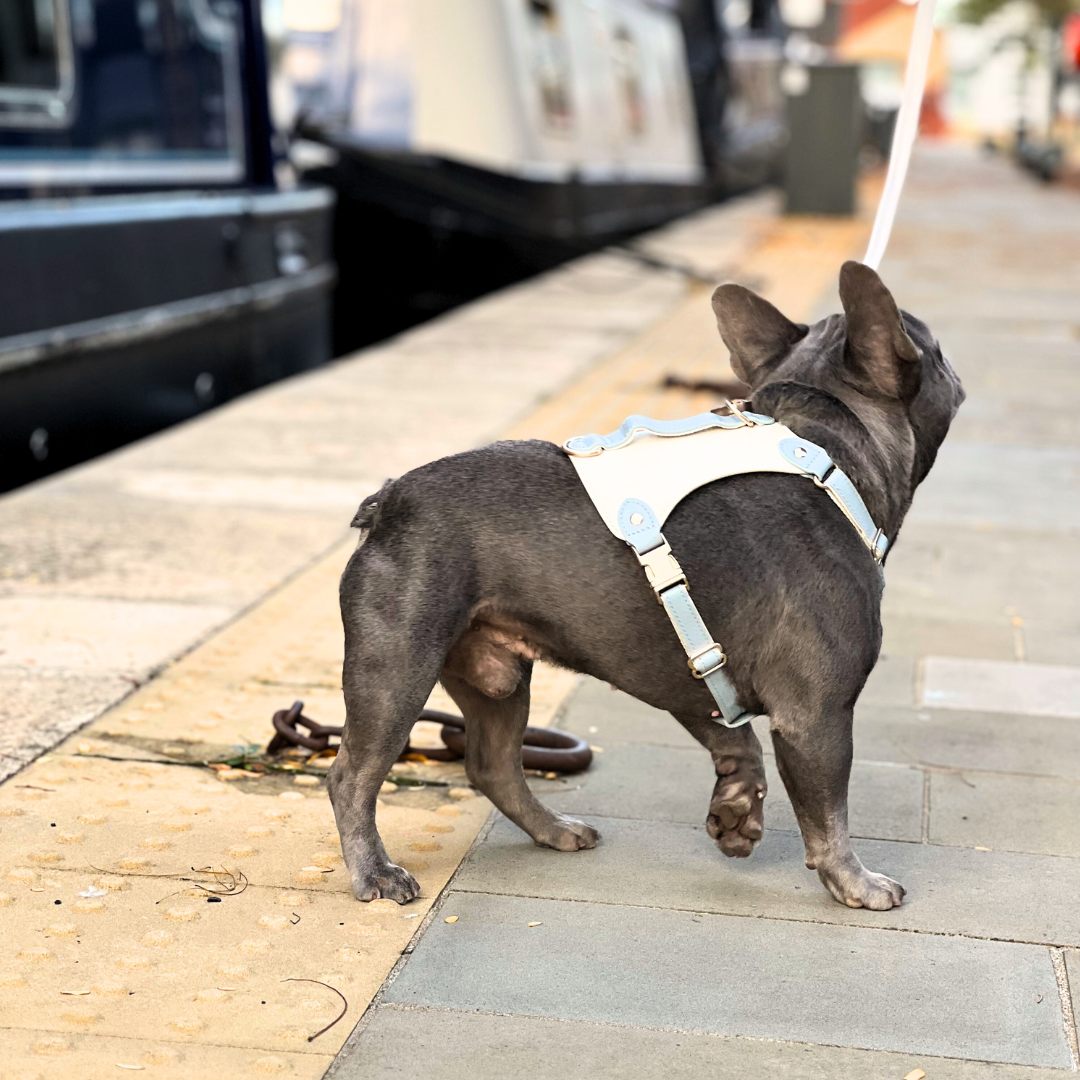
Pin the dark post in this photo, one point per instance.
(822, 155)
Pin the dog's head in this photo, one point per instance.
(876, 372)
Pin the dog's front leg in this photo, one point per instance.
(736, 818)
(813, 754)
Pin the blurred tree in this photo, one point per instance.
(1039, 38)
(1049, 12)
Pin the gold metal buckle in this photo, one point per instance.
(713, 646)
(662, 569)
(736, 411)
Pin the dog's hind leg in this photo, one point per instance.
(495, 728)
(736, 818)
(813, 754)
(394, 649)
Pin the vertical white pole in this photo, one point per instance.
(907, 127)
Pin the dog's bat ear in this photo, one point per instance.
(756, 334)
(878, 349)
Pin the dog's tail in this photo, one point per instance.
(367, 517)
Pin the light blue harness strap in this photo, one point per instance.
(632, 426)
(814, 461)
(706, 657)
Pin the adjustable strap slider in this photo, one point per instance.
(661, 568)
(699, 654)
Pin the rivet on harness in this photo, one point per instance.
(658, 465)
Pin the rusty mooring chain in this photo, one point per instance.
(545, 749)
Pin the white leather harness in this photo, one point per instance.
(658, 465)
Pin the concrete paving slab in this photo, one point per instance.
(1014, 583)
(1006, 813)
(950, 891)
(987, 482)
(42, 1053)
(910, 634)
(653, 783)
(99, 635)
(455, 1045)
(892, 682)
(610, 718)
(990, 742)
(39, 708)
(906, 993)
(667, 784)
(154, 548)
(988, 686)
(279, 492)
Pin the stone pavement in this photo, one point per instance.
(653, 955)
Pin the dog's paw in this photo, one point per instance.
(388, 882)
(567, 834)
(736, 818)
(856, 886)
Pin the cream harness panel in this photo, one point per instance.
(639, 473)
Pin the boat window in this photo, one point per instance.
(35, 63)
(127, 92)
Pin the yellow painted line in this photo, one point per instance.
(149, 970)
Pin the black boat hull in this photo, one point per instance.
(415, 236)
(128, 314)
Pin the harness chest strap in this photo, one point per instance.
(650, 468)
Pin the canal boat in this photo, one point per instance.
(151, 264)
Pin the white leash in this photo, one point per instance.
(907, 127)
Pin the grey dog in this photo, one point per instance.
(475, 566)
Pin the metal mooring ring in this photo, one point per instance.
(544, 749)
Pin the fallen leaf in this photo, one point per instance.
(977, 849)
(915, 1074)
(536, 924)
(451, 919)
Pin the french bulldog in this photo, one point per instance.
(473, 567)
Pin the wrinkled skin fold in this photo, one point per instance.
(475, 566)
